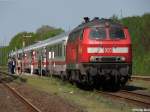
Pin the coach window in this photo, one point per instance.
(60, 49)
(49, 49)
(64, 50)
(56, 50)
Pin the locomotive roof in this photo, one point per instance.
(96, 22)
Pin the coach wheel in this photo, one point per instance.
(63, 76)
(68, 76)
(72, 77)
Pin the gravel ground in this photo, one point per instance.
(9, 103)
(44, 101)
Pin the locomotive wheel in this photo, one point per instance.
(96, 80)
(123, 81)
(113, 84)
(78, 77)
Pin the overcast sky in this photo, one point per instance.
(28, 15)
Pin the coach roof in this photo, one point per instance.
(51, 40)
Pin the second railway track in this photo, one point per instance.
(139, 99)
(145, 78)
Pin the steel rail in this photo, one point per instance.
(21, 98)
(135, 93)
(128, 99)
(145, 78)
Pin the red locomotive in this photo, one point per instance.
(97, 53)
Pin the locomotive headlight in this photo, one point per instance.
(120, 49)
(123, 58)
(92, 58)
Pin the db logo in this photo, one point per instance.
(108, 50)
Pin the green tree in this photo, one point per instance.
(28, 38)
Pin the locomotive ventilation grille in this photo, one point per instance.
(107, 59)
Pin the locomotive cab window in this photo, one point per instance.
(97, 33)
(116, 33)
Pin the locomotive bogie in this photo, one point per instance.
(98, 74)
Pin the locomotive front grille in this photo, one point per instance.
(106, 59)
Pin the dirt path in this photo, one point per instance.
(44, 101)
(9, 103)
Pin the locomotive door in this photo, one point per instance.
(73, 47)
(70, 50)
(74, 50)
(77, 45)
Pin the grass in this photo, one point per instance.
(90, 101)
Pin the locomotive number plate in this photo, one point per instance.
(108, 50)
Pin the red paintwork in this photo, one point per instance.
(77, 50)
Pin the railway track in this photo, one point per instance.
(28, 104)
(130, 97)
(145, 78)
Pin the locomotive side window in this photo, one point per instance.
(70, 37)
(81, 35)
(116, 33)
(97, 33)
(74, 35)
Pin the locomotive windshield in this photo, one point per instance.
(116, 33)
(98, 33)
